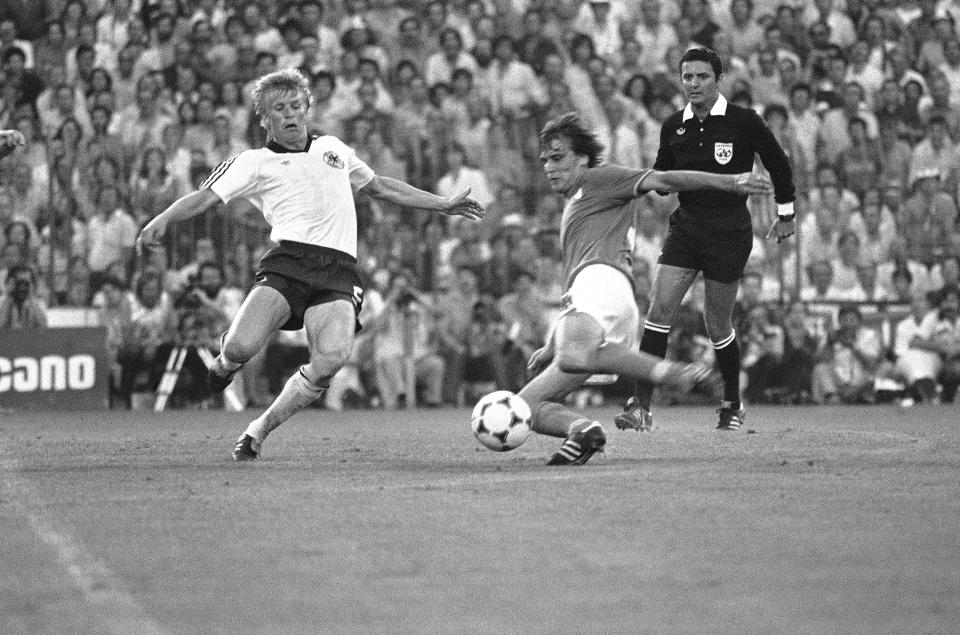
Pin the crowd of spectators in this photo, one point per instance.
(128, 104)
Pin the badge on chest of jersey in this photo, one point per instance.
(333, 160)
(723, 152)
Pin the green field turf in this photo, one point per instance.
(811, 520)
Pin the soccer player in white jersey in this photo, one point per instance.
(304, 187)
(595, 333)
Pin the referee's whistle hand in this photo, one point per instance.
(753, 183)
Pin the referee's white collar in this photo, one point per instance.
(719, 108)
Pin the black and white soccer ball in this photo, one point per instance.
(501, 420)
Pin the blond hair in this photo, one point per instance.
(286, 80)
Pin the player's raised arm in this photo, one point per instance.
(400, 193)
(686, 180)
(183, 208)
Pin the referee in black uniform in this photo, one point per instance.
(710, 231)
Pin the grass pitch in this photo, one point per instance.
(810, 520)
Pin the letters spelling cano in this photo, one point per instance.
(61, 368)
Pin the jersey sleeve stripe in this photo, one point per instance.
(217, 172)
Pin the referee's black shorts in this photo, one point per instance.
(720, 250)
(307, 275)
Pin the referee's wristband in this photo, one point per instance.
(785, 213)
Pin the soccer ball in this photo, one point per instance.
(501, 420)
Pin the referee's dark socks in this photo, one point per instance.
(728, 361)
(654, 342)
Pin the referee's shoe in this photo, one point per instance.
(634, 417)
(731, 418)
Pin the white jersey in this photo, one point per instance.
(305, 196)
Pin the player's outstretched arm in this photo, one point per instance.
(400, 193)
(685, 180)
(183, 208)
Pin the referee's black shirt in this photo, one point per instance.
(723, 143)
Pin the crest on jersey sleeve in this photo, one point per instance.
(333, 160)
(722, 152)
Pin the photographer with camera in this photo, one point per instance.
(20, 308)
(208, 295)
(405, 350)
(205, 309)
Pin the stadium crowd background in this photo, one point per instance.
(128, 104)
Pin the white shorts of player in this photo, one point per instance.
(605, 294)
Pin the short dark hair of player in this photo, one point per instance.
(582, 140)
(703, 54)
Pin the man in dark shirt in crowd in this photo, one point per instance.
(710, 231)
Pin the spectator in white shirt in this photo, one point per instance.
(917, 365)
(440, 65)
(460, 176)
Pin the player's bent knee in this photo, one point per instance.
(239, 350)
(327, 363)
(577, 358)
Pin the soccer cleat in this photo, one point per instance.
(634, 417)
(580, 445)
(248, 449)
(730, 419)
(217, 383)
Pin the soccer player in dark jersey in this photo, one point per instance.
(596, 332)
(710, 231)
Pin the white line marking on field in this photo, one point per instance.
(100, 587)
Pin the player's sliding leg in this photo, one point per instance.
(583, 348)
(670, 285)
(718, 311)
(263, 311)
(330, 329)
(544, 393)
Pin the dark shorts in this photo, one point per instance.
(719, 251)
(307, 275)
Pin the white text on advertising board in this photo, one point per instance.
(50, 372)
